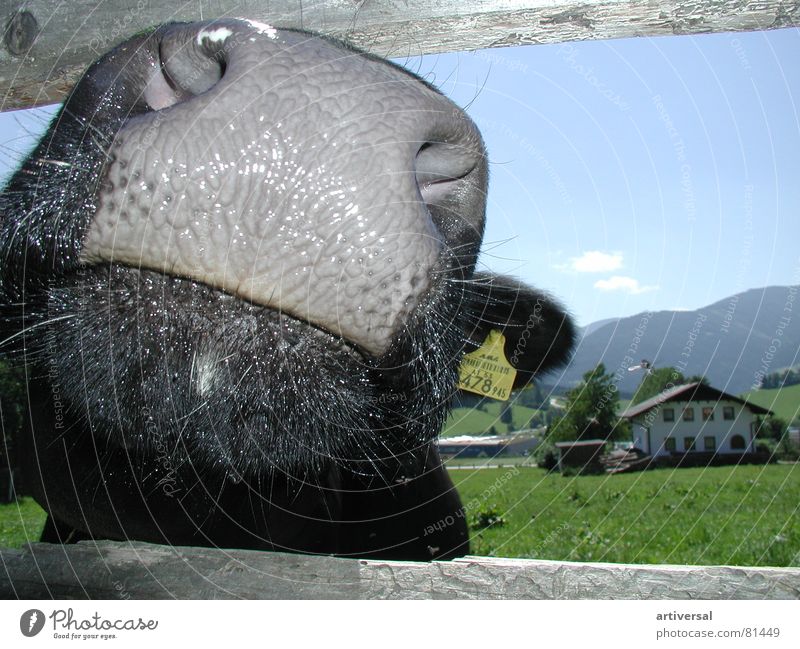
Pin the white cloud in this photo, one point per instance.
(620, 283)
(595, 261)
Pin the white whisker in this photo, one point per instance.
(36, 326)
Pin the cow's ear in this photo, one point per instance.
(539, 333)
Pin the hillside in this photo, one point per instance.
(730, 341)
(784, 402)
(471, 421)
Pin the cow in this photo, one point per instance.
(239, 277)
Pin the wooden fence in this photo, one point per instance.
(45, 48)
(109, 570)
(47, 45)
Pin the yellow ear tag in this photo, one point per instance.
(486, 371)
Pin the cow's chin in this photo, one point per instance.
(156, 364)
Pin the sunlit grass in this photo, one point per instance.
(470, 421)
(748, 515)
(20, 522)
(744, 515)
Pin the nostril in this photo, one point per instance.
(191, 68)
(187, 67)
(438, 165)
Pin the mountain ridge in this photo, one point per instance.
(733, 341)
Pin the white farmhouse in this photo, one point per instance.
(694, 418)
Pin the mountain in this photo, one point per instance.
(594, 326)
(733, 342)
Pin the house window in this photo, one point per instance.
(669, 444)
(708, 414)
(688, 443)
(710, 443)
(738, 443)
(727, 413)
(669, 414)
(688, 414)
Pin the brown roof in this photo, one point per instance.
(690, 392)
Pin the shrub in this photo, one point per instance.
(787, 449)
(487, 516)
(546, 456)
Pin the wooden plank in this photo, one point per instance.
(107, 570)
(69, 35)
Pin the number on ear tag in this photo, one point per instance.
(486, 371)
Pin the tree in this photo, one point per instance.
(656, 381)
(591, 411)
(507, 414)
(531, 397)
(663, 378)
(771, 427)
(781, 378)
(537, 419)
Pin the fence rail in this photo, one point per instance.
(47, 45)
(45, 48)
(109, 570)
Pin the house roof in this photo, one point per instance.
(467, 440)
(583, 442)
(690, 392)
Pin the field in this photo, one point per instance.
(468, 421)
(19, 522)
(744, 515)
(724, 515)
(784, 402)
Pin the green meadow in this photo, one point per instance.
(784, 402)
(20, 522)
(748, 515)
(470, 421)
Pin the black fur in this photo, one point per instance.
(298, 440)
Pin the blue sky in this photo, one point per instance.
(628, 175)
(648, 173)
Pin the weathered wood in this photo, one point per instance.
(69, 35)
(109, 570)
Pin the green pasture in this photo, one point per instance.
(469, 421)
(20, 522)
(784, 402)
(746, 515)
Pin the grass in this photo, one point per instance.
(744, 515)
(20, 522)
(468, 421)
(784, 402)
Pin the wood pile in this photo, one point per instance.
(625, 460)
